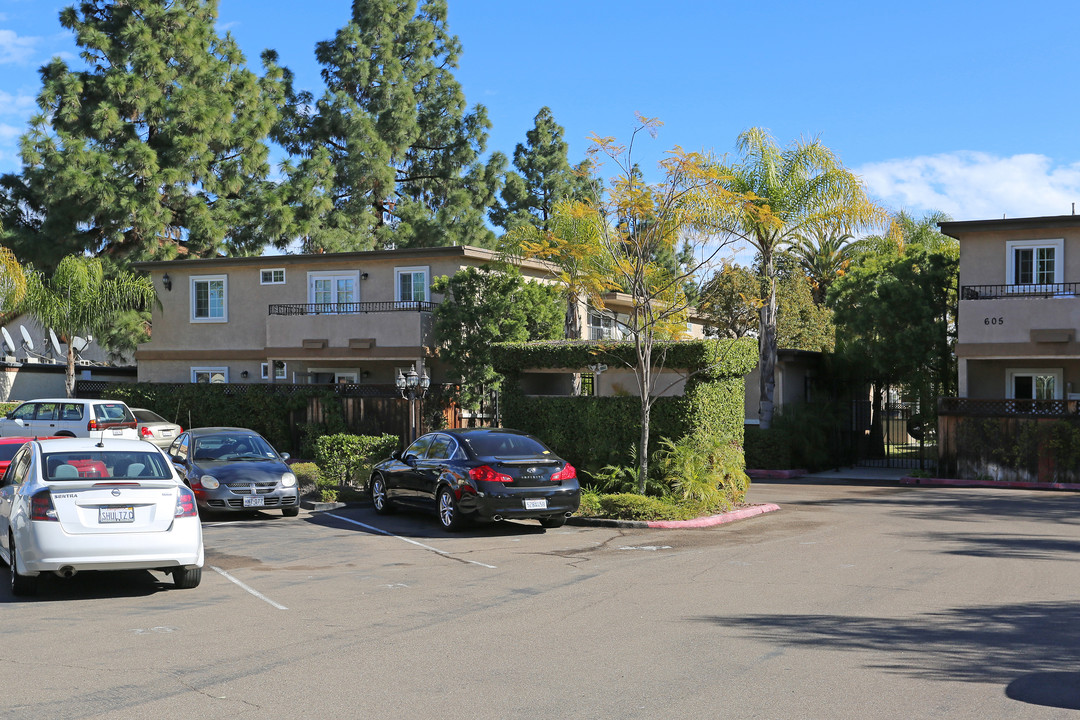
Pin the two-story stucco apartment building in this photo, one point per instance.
(1019, 307)
(358, 317)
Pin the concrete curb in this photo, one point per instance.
(710, 521)
(1014, 484)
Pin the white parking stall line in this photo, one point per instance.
(250, 589)
(413, 542)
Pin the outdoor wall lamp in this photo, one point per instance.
(244, 374)
(166, 281)
(363, 276)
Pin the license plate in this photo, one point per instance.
(253, 501)
(536, 504)
(118, 431)
(166, 433)
(116, 514)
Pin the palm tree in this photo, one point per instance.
(12, 281)
(79, 300)
(823, 257)
(794, 190)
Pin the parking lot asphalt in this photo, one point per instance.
(850, 602)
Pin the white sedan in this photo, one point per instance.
(76, 504)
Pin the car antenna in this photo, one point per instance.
(100, 444)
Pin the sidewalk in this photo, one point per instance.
(844, 474)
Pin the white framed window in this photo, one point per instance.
(333, 288)
(210, 298)
(209, 374)
(272, 276)
(1035, 262)
(1034, 383)
(604, 326)
(280, 370)
(411, 284)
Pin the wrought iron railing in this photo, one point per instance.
(353, 308)
(995, 292)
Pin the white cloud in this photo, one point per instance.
(976, 185)
(21, 106)
(15, 49)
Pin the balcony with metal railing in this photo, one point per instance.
(994, 292)
(387, 324)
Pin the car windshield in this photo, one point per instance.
(233, 446)
(106, 464)
(146, 416)
(502, 444)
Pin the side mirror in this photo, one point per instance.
(284, 456)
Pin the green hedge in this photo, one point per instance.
(259, 407)
(592, 432)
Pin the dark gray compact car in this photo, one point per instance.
(235, 469)
(478, 473)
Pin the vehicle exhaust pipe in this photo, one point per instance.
(66, 572)
(498, 518)
(569, 514)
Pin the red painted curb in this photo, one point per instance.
(714, 519)
(1016, 484)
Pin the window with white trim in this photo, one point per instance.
(1035, 262)
(1034, 383)
(411, 284)
(333, 288)
(273, 276)
(605, 326)
(280, 370)
(210, 375)
(209, 298)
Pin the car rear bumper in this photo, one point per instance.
(45, 547)
(512, 504)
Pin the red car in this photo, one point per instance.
(9, 446)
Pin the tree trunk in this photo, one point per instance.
(69, 371)
(767, 350)
(572, 326)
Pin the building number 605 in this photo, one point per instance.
(994, 321)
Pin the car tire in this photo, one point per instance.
(379, 498)
(449, 515)
(21, 585)
(186, 578)
(553, 522)
(290, 511)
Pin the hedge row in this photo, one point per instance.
(592, 432)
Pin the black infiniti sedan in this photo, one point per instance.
(235, 469)
(478, 473)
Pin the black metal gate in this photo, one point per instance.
(898, 435)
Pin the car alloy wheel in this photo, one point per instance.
(379, 499)
(448, 510)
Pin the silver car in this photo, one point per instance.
(156, 429)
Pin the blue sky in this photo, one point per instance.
(963, 106)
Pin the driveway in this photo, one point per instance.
(850, 602)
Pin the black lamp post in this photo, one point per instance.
(413, 388)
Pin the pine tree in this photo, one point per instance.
(156, 148)
(543, 178)
(395, 151)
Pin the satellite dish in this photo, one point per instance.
(8, 342)
(79, 343)
(55, 341)
(26, 338)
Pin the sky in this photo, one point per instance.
(959, 106)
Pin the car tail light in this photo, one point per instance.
(567, 473)
(41, 507)
(485, 473)
(92, 425)
(146, 432)
(185, 504)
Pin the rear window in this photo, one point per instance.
(113, 412)
(133, 465)
(145, 416)
(505, 445)
(8, 450)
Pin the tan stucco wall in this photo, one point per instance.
(987, 378)
(982, 254)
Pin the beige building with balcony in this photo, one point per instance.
(356, 318)
(1019, 308)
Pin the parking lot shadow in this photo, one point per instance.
(416, 524)
(92, 585)
(1000, 644)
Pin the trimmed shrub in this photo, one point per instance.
(345, 459)
(307, 476)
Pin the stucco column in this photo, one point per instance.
(962, 379)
